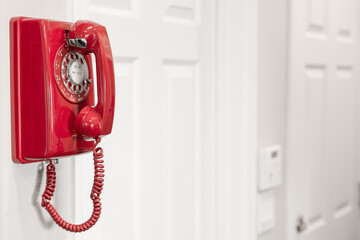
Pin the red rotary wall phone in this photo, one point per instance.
(52, 98)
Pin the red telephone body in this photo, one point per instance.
(52, 93)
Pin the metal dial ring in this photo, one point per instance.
(72, 74)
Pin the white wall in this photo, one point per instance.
(272, 94)
(21, 185)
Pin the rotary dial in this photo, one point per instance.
(75, 73)
(72, 74)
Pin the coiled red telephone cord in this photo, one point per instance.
(95, 193)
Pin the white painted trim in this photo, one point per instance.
(236, 119)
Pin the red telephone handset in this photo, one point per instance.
(93, 122)
(52, 98)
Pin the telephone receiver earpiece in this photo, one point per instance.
(95, 121)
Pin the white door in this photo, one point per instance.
(159, 160)
(324, 71)
(175, 128)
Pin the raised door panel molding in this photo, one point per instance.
(317, 18)
(186, 11)
(183, 171)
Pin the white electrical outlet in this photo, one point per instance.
(270, 167)
(266, 211)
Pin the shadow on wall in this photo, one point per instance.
(36, 196)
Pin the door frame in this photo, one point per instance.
(236, 119)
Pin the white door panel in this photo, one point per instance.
(321, 130)
(157, 160)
